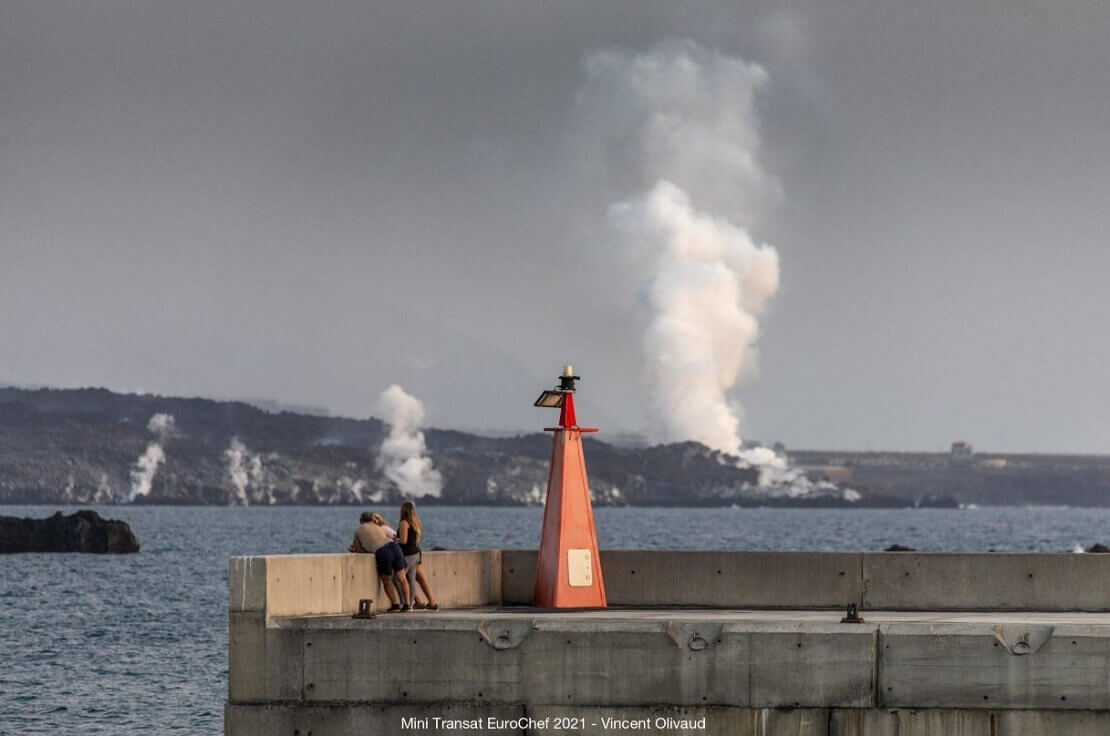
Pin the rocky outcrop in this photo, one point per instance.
(84, 531)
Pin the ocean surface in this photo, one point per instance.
(137, 644)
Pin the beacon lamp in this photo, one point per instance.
(554, 398)
(550, 399)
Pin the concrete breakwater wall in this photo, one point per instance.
(990, 644)
(292, 585)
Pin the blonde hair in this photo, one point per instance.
(377, 518)
(408, 513)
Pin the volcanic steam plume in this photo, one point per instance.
(675, 132)
(146, 467)
(245, 469)
(403, 457)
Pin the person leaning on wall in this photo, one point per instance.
(371, 537)
(409, 532)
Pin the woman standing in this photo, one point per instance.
(408, 536)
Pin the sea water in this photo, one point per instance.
(137, 644)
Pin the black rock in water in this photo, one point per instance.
(899, 548)
(1098, 547)
(84, 531)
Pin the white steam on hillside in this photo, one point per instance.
(403, 456)
(247, 474)
(146, 467)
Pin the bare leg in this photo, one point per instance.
(387, 583)
(406, 596)
(424, 585)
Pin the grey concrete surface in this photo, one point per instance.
(718, 721)
(760, 650)
(965, 665)
(731, 579)
(518, 576)
(1051, 723)
(986, 581)
(825, 666)
(879, 580)
(266, 662)
(909, 722)
(360, 719)
(753, 658)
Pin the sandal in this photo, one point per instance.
(432, 606)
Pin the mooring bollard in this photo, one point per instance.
(365, 608)
(853, 616)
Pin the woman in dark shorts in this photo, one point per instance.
(408, 536)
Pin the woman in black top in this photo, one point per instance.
(408, 536)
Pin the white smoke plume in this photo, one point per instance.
(675, 129)
(146, 467)
(237, 455)
(403, 457)
(246, 472)
(104, 492)
(354, 491)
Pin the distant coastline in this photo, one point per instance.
(83, 446)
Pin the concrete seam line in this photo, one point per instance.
(862, 585)
(501, 576)
(876, 671)
(750, 658)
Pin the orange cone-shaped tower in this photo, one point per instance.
(568, 571)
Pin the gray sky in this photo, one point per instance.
(308, 203)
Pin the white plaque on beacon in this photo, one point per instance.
(580, 568)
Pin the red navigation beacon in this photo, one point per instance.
(568, 571)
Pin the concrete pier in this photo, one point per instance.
(696, 642)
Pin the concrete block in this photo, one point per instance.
(464, 579)
(588, 663)
(930, 722)
(373, 663)
(732, 579)
(264, 662)
(362, 719)
(823, 665)
(668, 721)
(304, 585)
(963, 665)
(1051, 723)
(244, 720)
(986, 582)
(545, 661)
(360, 580)
(246, 584)
(785, 722)
(518, 576)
